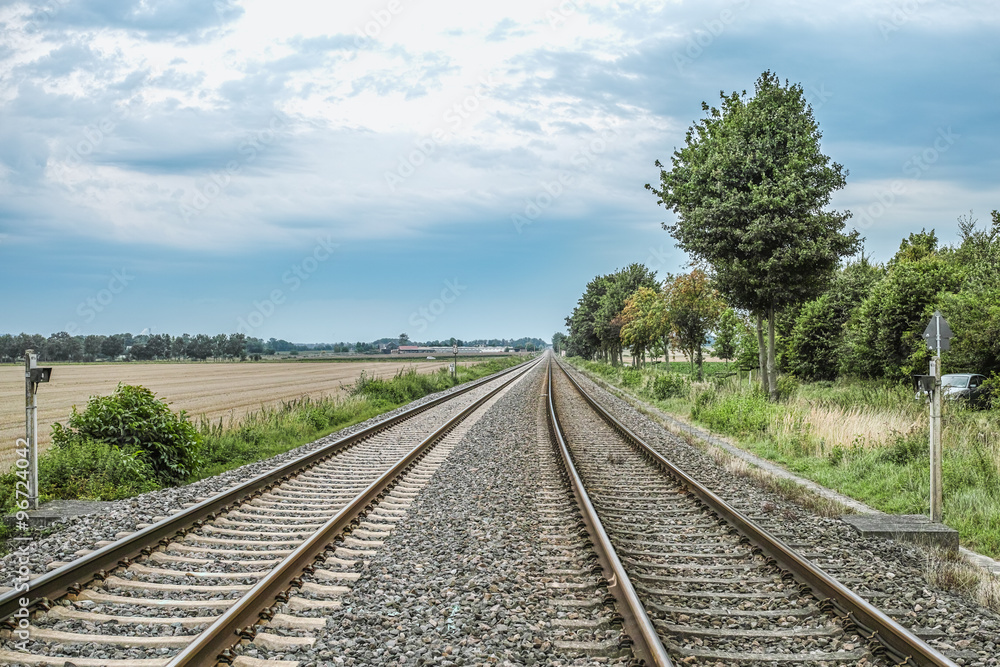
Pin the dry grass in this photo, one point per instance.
(948, 570)
(212, 390)
(833, 425)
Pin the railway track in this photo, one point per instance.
(260, 562)
(694, 578)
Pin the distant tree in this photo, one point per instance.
(693, 309)
(113, 346)
(749, 188)
(219, 345)
(159, 346)
(558, 339)
(236, 346)
(7, 347)
(814, 345)
(62, 347)
(179, 346)
(92, 345)
(726, 333)
(404, 339)
(200, 347)
(643, 322)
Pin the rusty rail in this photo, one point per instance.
(239, 620)
(891, 638)
(73, 576)
(646, 643)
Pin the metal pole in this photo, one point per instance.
(937, 496)
(31, 428)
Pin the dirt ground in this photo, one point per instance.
(211, 389)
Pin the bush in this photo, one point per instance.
(787, 384)
(83, 468)
(631, 377)
(667, 386)
(135, 422)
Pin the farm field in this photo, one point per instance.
(211, 389)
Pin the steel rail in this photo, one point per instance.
(73, 576)
(238, 621)
(893, 638)
(646, 642)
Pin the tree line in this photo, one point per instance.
(236, 346)
(777, 281)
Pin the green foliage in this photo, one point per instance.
(734, 414)
(749, 189)
(884, 336)
(631, 377)
(133, 420)
(787, 386)
(812, 352)
(595, 324)
(693, 309)
(668, 385)
(727, 333)
(84, 468)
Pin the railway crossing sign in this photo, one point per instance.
(938, 333)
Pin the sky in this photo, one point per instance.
(325, 172)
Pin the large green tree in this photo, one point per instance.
(750, 188)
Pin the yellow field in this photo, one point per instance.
(211, 389)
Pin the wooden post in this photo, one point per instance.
(937, 496)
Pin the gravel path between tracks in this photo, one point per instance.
(461, 580)
(84, 532)
(889, 574)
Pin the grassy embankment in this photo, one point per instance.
(867, 440)
(102, 472)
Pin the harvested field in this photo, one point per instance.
(211, 389)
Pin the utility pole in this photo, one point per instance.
(938, 336)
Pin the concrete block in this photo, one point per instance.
(915, 528)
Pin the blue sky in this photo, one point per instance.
(319, 172)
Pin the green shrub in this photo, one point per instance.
(670, 385)
(135, 422)
(735, 414)
(631, 377)
(83, 468)
(787, 385)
